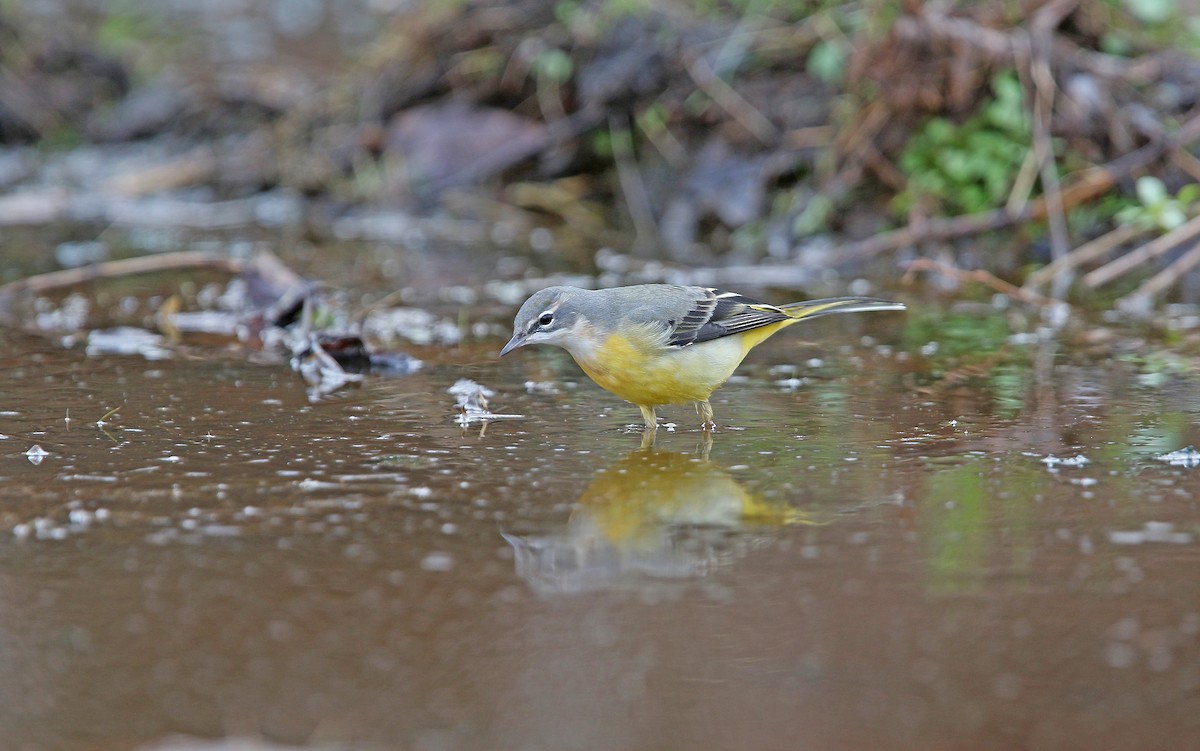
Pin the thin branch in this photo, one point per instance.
(1088, 185)
(1086, 253)
(67, 278)
(1151, 250)
(1165, 279)
(633, 187)
(732, 102)
(982, 277)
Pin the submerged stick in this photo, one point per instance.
(183, 260)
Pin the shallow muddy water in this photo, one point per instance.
(864, 558)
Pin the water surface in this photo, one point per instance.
(875, 552)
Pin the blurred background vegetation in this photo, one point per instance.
(995, 136)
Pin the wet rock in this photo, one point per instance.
(724, 184)
(146, 111)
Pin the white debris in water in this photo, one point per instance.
(438, 561)
(1187, 457)
(35, 454)
(471, 398)
(220, 530)
(309, 483)
(1072, 461)
(126, 340)
(1151, 532)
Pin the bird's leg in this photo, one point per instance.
(706, 415)
(649, 416)
(651, 426)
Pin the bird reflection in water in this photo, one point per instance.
(652, 517)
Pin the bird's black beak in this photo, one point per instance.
(518, 340)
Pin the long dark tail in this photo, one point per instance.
(831, 305)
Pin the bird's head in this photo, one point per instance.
(551, 316)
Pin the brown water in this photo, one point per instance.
(858, 562)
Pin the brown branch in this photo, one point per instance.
(980, 276)
(67, 278)
(1163, 280)
(1041, 36)
(1088, 185)
(732, 102)
(1086, 253)
(1151, 250)
(997, 45)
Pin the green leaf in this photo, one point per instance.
(827, 61)
(1150, 190)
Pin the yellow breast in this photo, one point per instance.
(638, 367)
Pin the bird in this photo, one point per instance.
(658, 344)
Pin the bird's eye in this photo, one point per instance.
(546, 319)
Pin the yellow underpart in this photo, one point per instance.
(637, 367)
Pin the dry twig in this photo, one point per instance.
(732, 102)
(1088, 185)
(1086, 253)
(1163, 280)
(980, 276)
(67, 278)
(1185, 232)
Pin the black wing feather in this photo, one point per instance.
(719, 314)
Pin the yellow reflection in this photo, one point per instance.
(653, 515)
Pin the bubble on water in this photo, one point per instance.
(1151, 531)
(220, 530)
(1119, 654)
(438, 561)
(1078, 460)
(35, 454)
(1124, 629)
(1159, 658)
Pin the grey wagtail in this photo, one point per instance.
(654, 344)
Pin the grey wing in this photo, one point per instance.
(716, 313)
